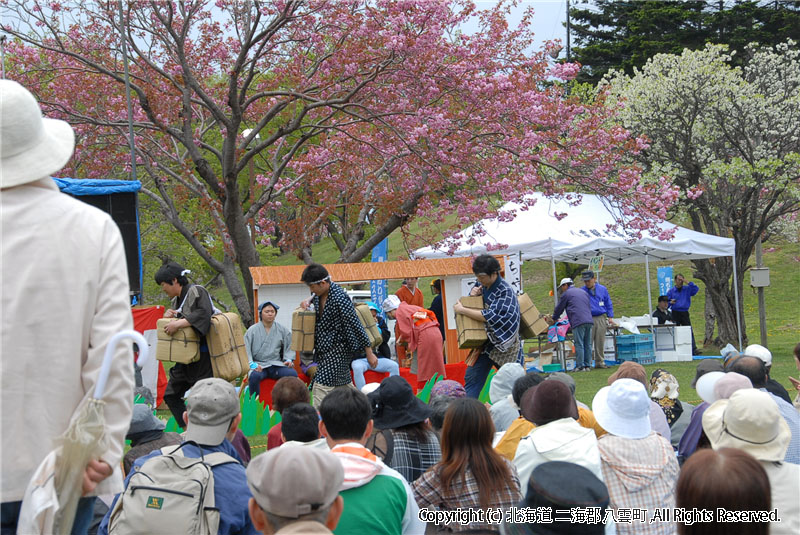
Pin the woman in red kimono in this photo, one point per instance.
(419, 328)
(408, 293)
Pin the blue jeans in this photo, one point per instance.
(83, 516)
(271, 372)
(582, 336)
(475, 376)
(361, 365)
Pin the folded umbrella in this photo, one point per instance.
(51, 498)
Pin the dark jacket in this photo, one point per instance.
(662, 317)
(774, 387)
(576, 302)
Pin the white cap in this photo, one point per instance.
(391, 303)
(757, 350)
(565, 280)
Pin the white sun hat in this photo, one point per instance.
(31, 146)
(705, 386)
(623, 409)
(751, 421)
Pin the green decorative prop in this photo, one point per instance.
(484, 397)
(172, 426)
(256, 419)
(425, 393)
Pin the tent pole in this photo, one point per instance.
(649, 296)
(555, 282)
(736, 298)
(131, 139)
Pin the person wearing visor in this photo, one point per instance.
(339, 336)
(268, 346)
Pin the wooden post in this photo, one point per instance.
(762, 312)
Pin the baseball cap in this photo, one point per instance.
(757, 350)
(587, 275)
(292, 481)
(210, 407)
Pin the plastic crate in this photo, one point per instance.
(635, 338)
(637, 348)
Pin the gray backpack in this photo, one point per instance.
(170, 494)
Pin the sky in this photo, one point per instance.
(548, 19)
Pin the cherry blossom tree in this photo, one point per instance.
(732, 133)
(359, 117)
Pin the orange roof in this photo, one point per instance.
(364, 271)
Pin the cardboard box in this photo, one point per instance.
(471, 333)
(531, 323)
(303, 323)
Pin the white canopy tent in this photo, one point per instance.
(537, 234)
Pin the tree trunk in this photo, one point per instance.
(717, 278)
(236, 290)
(711, 320)
(245, 251)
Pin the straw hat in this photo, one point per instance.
(751, 421)
(31, 146)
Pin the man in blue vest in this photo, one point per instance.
(680, 299)
(602, 312)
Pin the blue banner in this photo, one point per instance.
(378, 288)
(664, 280)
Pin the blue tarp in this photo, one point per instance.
(83, 186)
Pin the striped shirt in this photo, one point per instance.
(792, 418)
(641, 476)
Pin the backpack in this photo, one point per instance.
(171, 494)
